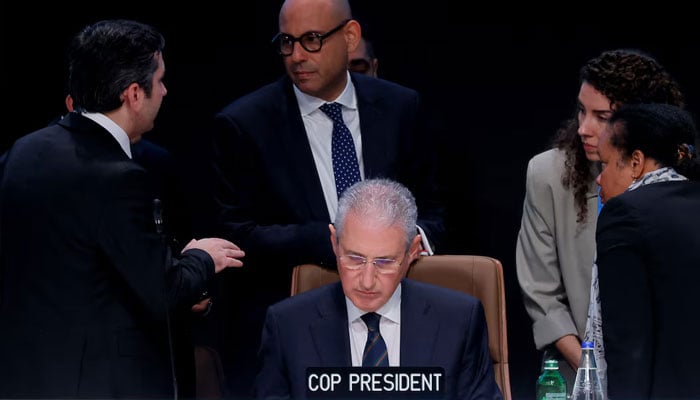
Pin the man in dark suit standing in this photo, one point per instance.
(420, 325)
(88, 283)
(280, 211)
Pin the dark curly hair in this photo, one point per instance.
(664, 133)
(624, 76)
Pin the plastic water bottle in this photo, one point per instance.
(551, 384)
(587, 385)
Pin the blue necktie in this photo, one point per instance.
(346, 169)
(375, 350)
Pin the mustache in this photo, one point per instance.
(299, 67)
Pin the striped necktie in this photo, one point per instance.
(375, 354)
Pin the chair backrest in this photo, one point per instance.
(480, 276)
(209, 373)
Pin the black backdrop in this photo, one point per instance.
(497, 93)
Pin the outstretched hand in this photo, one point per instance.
(224, 253)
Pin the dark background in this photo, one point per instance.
(497, 93)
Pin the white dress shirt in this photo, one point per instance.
(389, 328)
(115, 130)
(319, 130)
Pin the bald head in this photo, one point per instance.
(335, 9)
(322, 71)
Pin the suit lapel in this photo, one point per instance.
(99, 141)
(419, 327)
(375, 132)
(299, 156)
(330, 331)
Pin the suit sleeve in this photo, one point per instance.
(477, 379)
(3, 160)
(271, 381)
(422, 174)
(625, 299)
(537, 262)
(247, 214)
(127, 235)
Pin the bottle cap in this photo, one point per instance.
(587, 345)
(551, 364)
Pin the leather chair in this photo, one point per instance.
(480, 276)
(209, 373)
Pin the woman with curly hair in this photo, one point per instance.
(556, 243)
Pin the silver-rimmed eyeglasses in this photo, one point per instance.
(310, 41)
(354, 262)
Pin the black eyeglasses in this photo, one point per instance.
(310, 41)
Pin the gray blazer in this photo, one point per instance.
(554, 254)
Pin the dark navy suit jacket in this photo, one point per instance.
(439, 328)
(87, 282)
(269, 199)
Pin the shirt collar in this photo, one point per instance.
(391, 310)
(309, 104)
(115, 130)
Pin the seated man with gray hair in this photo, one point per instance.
(375, 317)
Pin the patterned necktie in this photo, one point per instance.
(346, 169)
(375, 350)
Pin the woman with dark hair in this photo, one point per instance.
(556, 244)
(647, 252)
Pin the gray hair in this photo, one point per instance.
(383, 201)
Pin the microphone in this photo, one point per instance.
(158, 215)
(158, 220)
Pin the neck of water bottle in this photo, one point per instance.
(588, 359)
(587, 385)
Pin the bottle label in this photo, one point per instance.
(555, 396)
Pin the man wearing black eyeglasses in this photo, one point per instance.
(276, 184)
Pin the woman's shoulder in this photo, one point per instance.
(549, 159)
(546, 167)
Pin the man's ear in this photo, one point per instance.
(353, 33)
(133, 96)
(415, 248)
